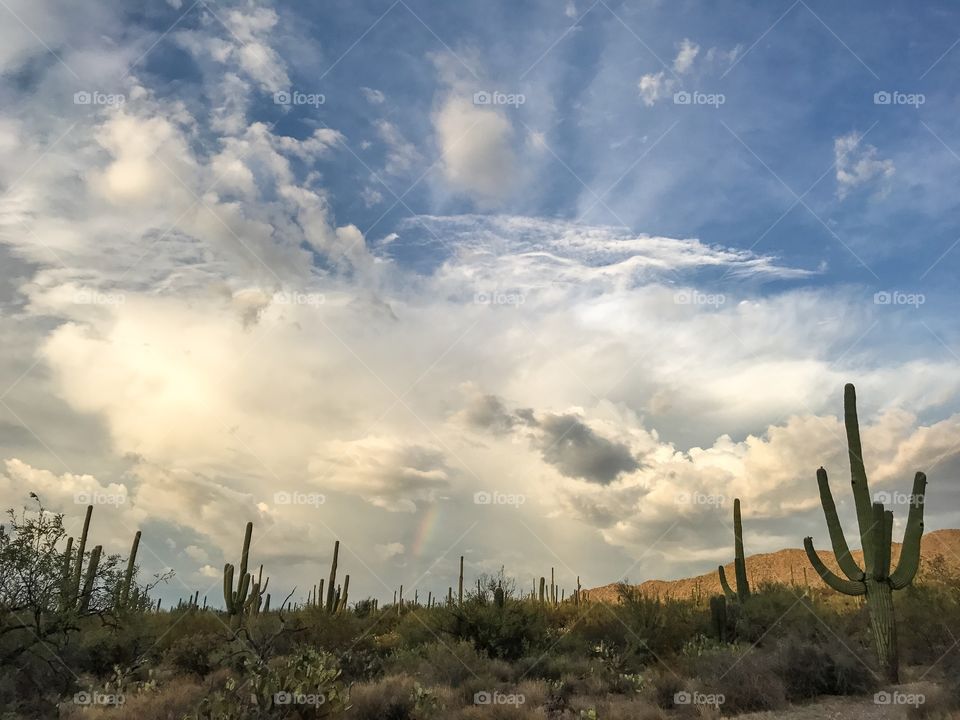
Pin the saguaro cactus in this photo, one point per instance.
(236, 599)
(460, 584)
(78, 570)
(128, 576)
(739, 563)
(331, 589)
(874, 581)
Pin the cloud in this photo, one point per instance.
(401, 154)
(859, 164)
(374, 97)
(653, 87)
(685, 57)
(390, 550)
(577, 451)
(476, 146)
(388, 474)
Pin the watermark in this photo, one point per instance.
(884, 97)
(299, 498)
(694, 297)
(699, 498)
(499, 298)
(93, 297)
(99, 498)
(498, 698)
(896, 297)
(299, 698)
(95, 97)
(683, 97)
(98, 698)
(484, 97)
(295, 97)
(698, 698)
(898, 498)
(898, 697)
(299, 298)
(498, 498)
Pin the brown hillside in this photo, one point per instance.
(784, 566)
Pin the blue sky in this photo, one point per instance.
(604, 256)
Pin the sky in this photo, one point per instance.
(542, 284)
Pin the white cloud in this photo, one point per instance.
(476, 144)
(653, 87)
(390, 550)
(374, 97)
(401, 154)
(685, 57)
(858, 164)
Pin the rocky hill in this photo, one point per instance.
(787, 566)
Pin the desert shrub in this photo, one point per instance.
(194, 654)
(809, 669)
(390, 698)
(508, 632)
(446, 663)
(172, 701)
(265, 688)
(555, 665)
(928, 615)
(746, 678)
(662, 688)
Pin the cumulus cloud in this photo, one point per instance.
(476, 146)
(387, 474)
(859, 163)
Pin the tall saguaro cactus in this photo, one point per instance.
(739, 563)
(128, 576)
(874, 580)
(78, 570)
(236, 599)
(331, 591)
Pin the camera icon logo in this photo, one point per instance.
(682, 97)
(682, 698)
(482, 498)
(882, 97)
(82, 98)
(482, 98)
(281, 97)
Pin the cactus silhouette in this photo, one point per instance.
(235, 599)
(739, 563)
(874, 580)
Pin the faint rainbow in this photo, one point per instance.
(426, 528)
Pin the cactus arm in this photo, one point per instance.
(727, 590)
(228, 588)
(858, 475)
(90, 578)
(910, 550)
(840, 548)
(847, 587)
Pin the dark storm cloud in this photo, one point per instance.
(577, 451)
